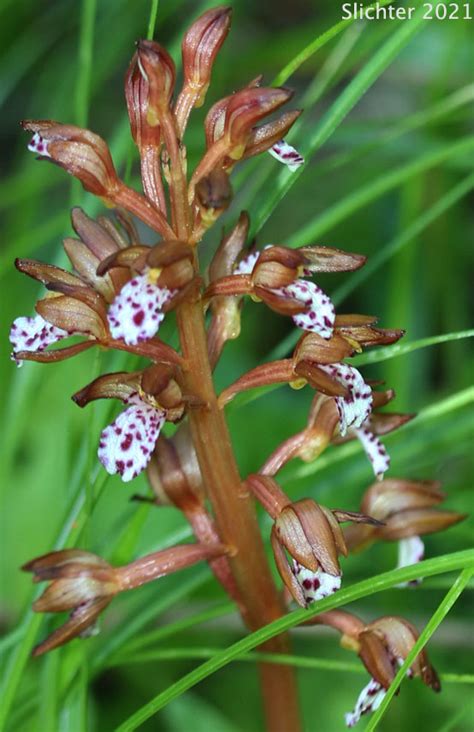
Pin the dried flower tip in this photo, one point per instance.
(287, 154)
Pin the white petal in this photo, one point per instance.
(136, 313)
(357, 406)
(319, 315)
(246, 265)
(39, 145)
(410, 551)
(369, 700)
(127, 444)
(287, 155)
(34, 334)
(375, 451)
(315, 585)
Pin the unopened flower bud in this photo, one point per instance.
(158, 70)
(213, 196)
(137, 93)
(200, 47)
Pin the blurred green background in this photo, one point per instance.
(391, 182)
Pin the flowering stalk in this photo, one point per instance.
(117, 297)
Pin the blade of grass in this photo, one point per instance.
(303, 662)
(152, 20)
(373, 190)
(424, 118)
(306, 53)
(446, 563)
(147, 639)
(436, 620)
(337, 112)
(401, 349)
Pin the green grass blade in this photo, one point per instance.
(446, 563)
(373, 69)
(306, 53)
(303, 662)
(402, 349)
(436, 619)
(370, 192)
(152, 20)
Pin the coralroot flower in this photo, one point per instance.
(310, 534)
(126, 445)
(405, 508)
(383, 646)
(274, 275)
(80, 582)
(85, 584)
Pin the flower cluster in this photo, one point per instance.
(119, 293)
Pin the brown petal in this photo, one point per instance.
(120, 385)
(85, 263)
(314, 349)
(72, 315)
(80, 620)
(291, 534)
(264, 137)
(326, 259)
(318, 379)
(229, 249)
(159, 71)
(93, 234)
(375, 656)
(62, 557)
(318, 529)
(58, 354)
(274, 372)
(64, 594)
(417, 522)
(52, 277)
(284, 570)
(132, 257)
(393, 495)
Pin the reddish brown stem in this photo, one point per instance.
(144, 210)
(152, 566)
(235, 517)
(151, 176)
